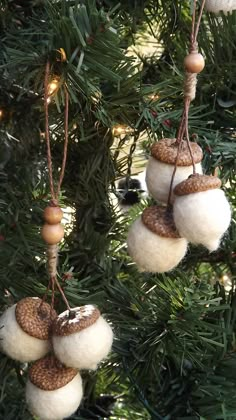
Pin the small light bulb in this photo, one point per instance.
(117, 130)
(53, 86)
(121, 129)
(154, 97)
(96, 97)
(226, 281)
(1, 113)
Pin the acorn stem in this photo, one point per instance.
(72, 314)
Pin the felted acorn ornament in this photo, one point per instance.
(216, 6)
(53, 391)
(153, 241)
(81, 337)
(201, 211)
(162, 162)
(25, 328)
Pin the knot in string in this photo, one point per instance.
(53, 202)
(52, 256)
(193, 47)
(190, 84)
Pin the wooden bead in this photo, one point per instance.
(52, 215)
(52, 234)
(194, 63)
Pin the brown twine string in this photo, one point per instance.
(191, 78)
(190, 84)
(173, 177)
(43, 300)
(47, 135)
(52, 256)
(53, 292)
(188, 140)
(52, 250)
(62, 294)
(181, 129)
(63, 166)
(199, 19)
(181, 132)
(193, 22)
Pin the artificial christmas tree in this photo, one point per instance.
(173, 355)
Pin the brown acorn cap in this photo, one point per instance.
(34, 317)
(50, 374)
(75, 320)
(197, 183)
(165, 150)
(160, 221)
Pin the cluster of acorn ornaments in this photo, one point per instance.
(75, 340)
(195, 211)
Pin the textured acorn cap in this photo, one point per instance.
(50, 374)
(160, 221)
(197, 183)
(34, 317)
(76, 320)
(165, 150)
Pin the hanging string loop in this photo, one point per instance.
(52, 250)
(190, 84)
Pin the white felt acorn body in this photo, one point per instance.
(24, 329)
(154, 243)
(201, 211)
(161, 165)
(216, 6)
(53, 391)
(81, 338)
